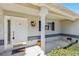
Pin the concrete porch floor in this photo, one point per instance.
(60, 43)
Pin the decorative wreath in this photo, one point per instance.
(33, 23)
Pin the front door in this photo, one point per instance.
(16, 30)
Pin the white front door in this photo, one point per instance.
(16, 30)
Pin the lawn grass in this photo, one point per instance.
(71, 51)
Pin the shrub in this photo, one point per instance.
(71, 51)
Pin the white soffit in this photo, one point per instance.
(20, 9)
(35, 12)
(58, 9)
(56, 17)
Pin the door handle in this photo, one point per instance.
(13, 35)
(13, 38)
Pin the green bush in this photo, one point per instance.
(71, 51)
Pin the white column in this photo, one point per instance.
(43, 13)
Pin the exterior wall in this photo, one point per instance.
(1, 27)
(1, 24)
(34, 33)
(50, 40)
(1, 31)
(57, 29)
(70, 29)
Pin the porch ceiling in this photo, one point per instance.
(55, 11)
(59, 9)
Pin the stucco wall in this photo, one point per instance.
(71, 28)
(1, 27)
(1, 31)
(1, 24)
(34, 31)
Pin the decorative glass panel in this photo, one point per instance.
(9, 30)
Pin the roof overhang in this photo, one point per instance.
(59, 9)
(55, 11)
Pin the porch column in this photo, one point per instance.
(43, 13)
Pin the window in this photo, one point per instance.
(39, 25)
(48, 26)
(53, 26)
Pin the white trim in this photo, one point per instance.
(6, 46)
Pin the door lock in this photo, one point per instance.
(13, 36)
